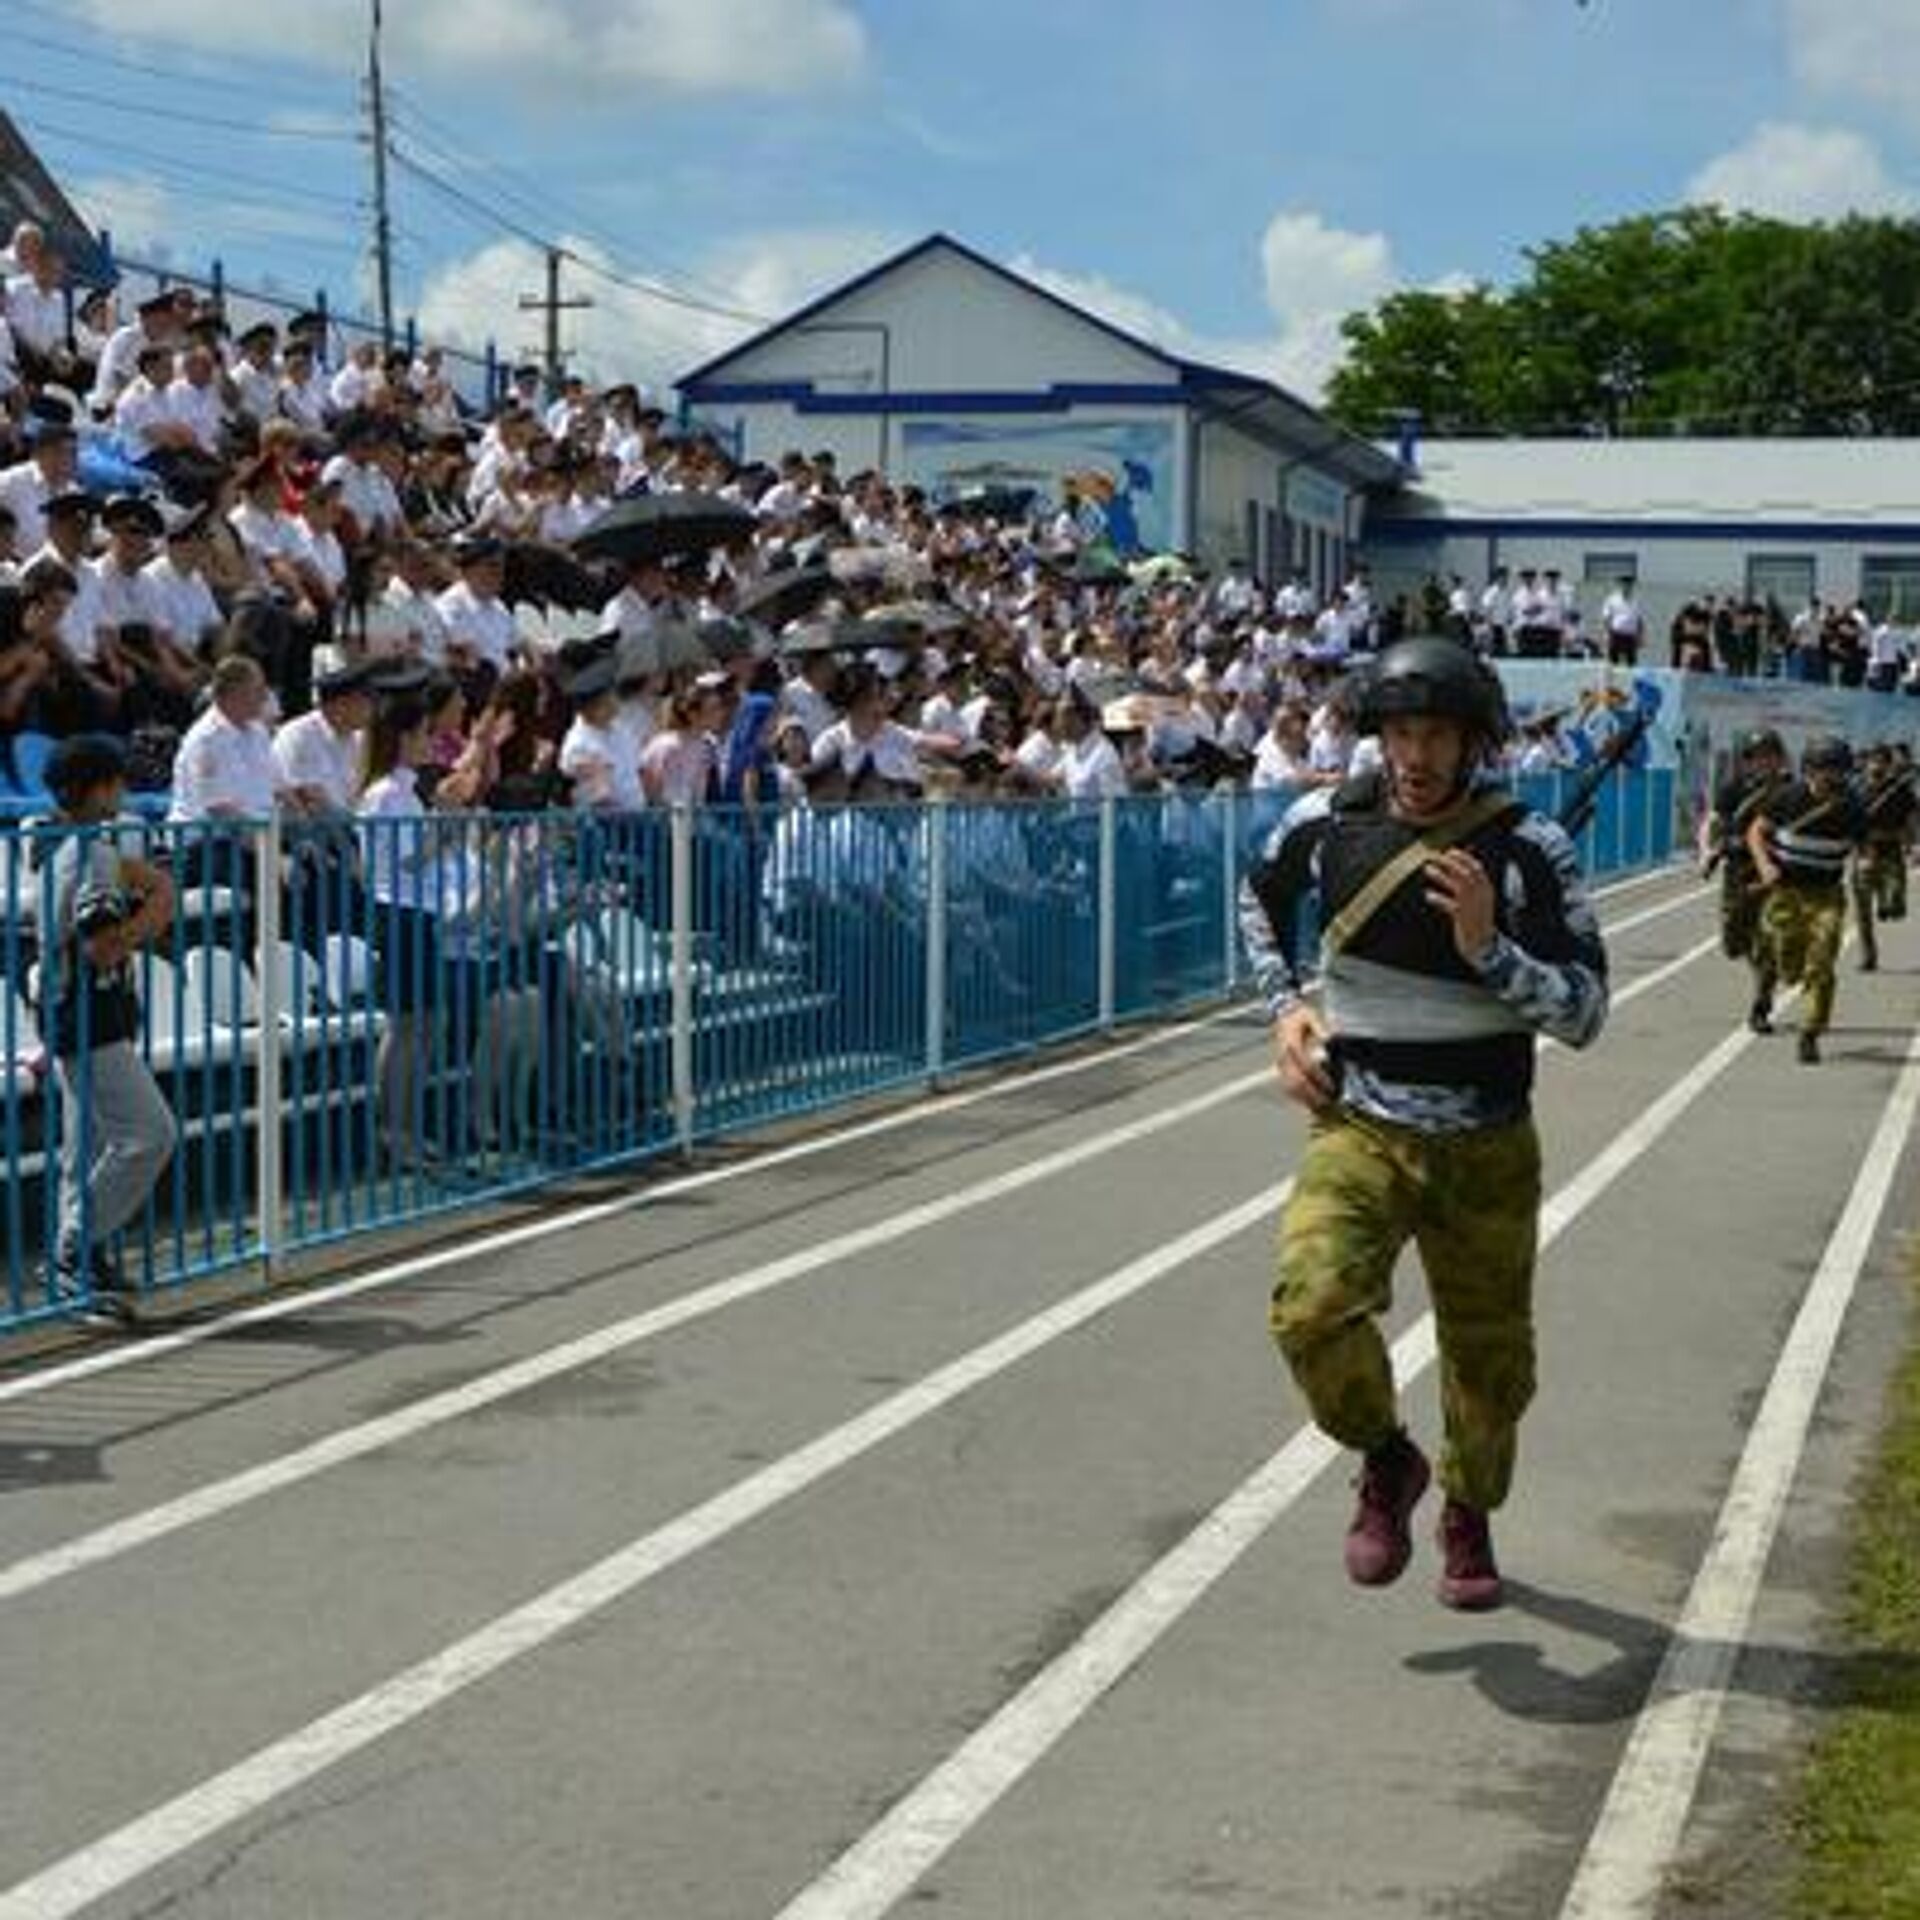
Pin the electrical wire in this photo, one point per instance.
(161, 162)
(95, 57)
(179, 116)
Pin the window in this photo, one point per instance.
(1608, 569)
(1890, 587)
(1784, 578)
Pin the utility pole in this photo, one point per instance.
(551, 304)
(382, 223)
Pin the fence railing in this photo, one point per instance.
(365, 1025)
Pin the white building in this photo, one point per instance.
(941, 368)
(1795, 520)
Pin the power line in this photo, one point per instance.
(94, 57)
(165, 163)
(179, 116)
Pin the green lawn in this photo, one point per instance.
(1858, 1821)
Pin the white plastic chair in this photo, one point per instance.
(220, 984)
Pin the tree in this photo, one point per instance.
(1690, 321)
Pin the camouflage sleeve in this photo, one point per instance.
(1270, 898)
(1553, 971)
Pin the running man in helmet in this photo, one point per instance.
(1760, 767)
(1801, 841)
(1455, 930)
(1891, 805)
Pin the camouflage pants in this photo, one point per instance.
(1802, 926)
(1740, 901)
(1879, 891)
(1471, 1203)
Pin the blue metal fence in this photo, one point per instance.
(360, 1026)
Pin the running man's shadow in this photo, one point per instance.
(1516, 1677)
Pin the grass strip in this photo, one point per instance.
(1857, 1822)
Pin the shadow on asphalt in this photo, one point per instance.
(1516, 1676)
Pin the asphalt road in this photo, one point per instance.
(920, 1520)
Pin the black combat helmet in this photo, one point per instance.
(1826, 753)
(1431, 677)
(1761, 740)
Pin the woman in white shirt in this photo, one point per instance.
(678, 765)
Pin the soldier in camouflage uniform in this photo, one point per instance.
(1760, 765)
(1880, 872)
(1455, 930)
(1800, 842)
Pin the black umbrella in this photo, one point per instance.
(790, 594)
(664, 647)
(550, 577)
(664, 526)
(827, 636)
(920, 619)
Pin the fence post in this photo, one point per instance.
(936, 829)
(1229, 798)
(1107, 910)
(680, 889)
(269, 1142)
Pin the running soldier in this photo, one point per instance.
(1760, 765)
(1880, 872)
(1455, 929)
(1800, 841)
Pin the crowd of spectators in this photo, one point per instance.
(1535, 613)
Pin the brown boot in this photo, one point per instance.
(1380, 1540)
(1469, 1579)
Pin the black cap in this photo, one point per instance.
(87, 760)
(600, 675)
(187, 523)
(398, 678)
(134, 510)
(473, 548)
(356, 676)
(73, 500)
(156, 303)
(311, 321)
(260, 330)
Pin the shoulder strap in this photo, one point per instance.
(1346, 926)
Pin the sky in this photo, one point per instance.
(1228, 177)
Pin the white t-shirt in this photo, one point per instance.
(1090, 769)
(222, 766)
(486, 627)
(38, 320)
(309, 753)
(604, 764)
(24, 490)
(198, 409)
(889, 750)
(190, 606)
(124, 599)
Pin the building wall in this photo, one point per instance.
(1270, 509)
(940, 324)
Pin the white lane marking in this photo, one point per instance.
(1673, 869)
(107, 1864)
(883, 1866)
(353, 1443)
(1624, 1869)
(1649, 914)
(111, 1359)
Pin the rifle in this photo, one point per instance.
(1579, 806)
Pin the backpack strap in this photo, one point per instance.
(1347, 925)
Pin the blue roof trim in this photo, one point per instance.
(1060, 398)
(1408, 532)
(932, 243)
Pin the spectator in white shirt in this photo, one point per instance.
(27, 488)
(369, 505)
(357, 384)
(156, 323)
(178, 575)
(256, 371)
(225, 769)
(303, 390)
(1285, 757)
(1625, 624)
(194, 399)
(37, 314)
(480, 627)
(599, 754)
(404, 618)
(129, 607)
(319, 754)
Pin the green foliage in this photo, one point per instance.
(1687, 322)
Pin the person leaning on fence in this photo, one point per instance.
(117, 1133)
(1456, 929)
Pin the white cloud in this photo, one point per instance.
(593, 48)
(1312, 276)
(1801, 173)
(630, 334)
(154, 222)
(1858, 51)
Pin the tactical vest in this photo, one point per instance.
(1400, 1001)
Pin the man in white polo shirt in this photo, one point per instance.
(480, 626)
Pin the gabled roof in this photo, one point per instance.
(933, 243)
(1251, 401)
